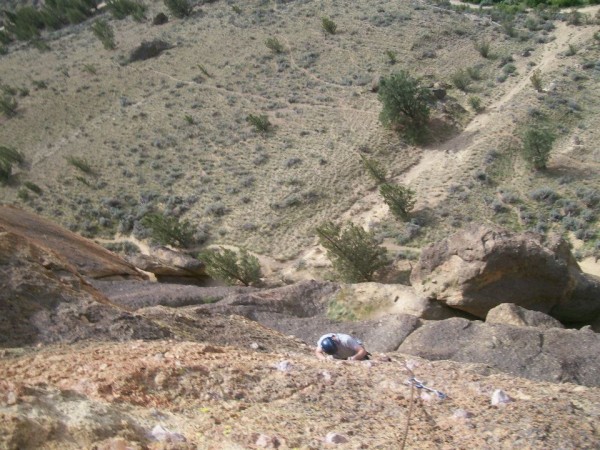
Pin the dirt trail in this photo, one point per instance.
(430, 177)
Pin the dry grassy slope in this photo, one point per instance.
(276, 188)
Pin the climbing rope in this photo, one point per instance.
(415, 383)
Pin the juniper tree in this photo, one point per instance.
(231, 267)
(169, 230)
(355, 253)
(400, 199)
(405, 103)
(537, 145)
(8, 158)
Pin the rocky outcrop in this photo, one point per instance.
(134, 295)
(541, 354)
(396, 299)
(481, 267)
(303, 299)
(89, 259)
(510, 314)
(169, 265)
(44, 299)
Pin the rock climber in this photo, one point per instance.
(340, 346)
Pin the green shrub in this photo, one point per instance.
(104, 32)
(461, 80)
(536, 80)
(274, 45)
(179, 8)
(8, 158)
(260, 123)
(405, 103)
(169, 230)
(544, 194)
(353, 252)
(231, 267)
(483, 47)
(8, 105)
(328, 25)
(5, 38)
(33, 187)
(475, 103)
(400, 199)
(392, 56)
(147, 50)
(537, 143)
(375, 169)
(25, 23)
(90, 68)
(120, 9)
(80, 164)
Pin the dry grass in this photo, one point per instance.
(129, 122)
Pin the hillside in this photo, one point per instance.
(481, 334)
(107, 141)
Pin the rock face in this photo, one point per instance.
(44, 299)
(397, 299)
(510, 314)
(303, 299)
(542, 354)
(89, 259)
(134, 295)
(480, 268)
(169, 265)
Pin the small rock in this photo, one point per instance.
(326, 375)
(160, 379)
(11, 398)
(161, 434)
(499, 397)
(254, 346)
(335, 438)
(264, 441)
(284, 366)
(462, 414)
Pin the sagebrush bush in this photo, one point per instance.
(483, 47)
(461, 80)
(544, 194)
(405, 103)
(169, 230)
(475, 103)
(400, 199)
(231, 267)
(354, 253)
